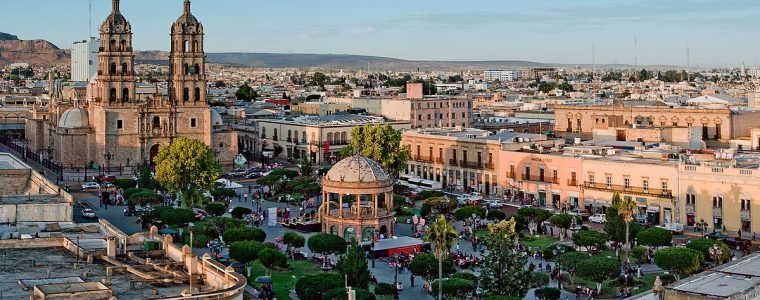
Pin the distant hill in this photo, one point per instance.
(35, 52)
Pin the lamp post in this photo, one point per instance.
(558, 251)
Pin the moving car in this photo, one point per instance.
(469, 198)
(598, 218)
(674, 227)
(90, 185)
(88, 213)
(494, 204)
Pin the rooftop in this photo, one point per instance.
(331, 120)
(10, 162)
(738, 277)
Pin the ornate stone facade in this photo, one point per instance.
(112, 127)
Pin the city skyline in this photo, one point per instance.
(567, 32)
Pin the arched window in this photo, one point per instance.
(185, 46)
(112, 71)
(124, 69)
(274, 137)
(186, 69)
(329, 137)
(197, 94)
(123, 46)
(185, 94)
(156, 122)
(295, 136)
(196, 69)
(290, 135)
(314, 137)
(263, 132)
(303, 137)
(112, 95)
(195, 46)
(125, 95)
(343, 138)
(112, 46)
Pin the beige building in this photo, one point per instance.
(717, 125)
(319, 139)
(112, 127)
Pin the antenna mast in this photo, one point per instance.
(89, 24)
(593, 58)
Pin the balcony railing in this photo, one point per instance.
(745, 214)
(489, 166)
(572, 182)
(453, 162)
(690, 209)
(511, 175)
(422, 158)
(469, 164)
(551, 180)
(439, 160)
(634, 190)
(717, 212)
(525, 177)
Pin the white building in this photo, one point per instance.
(501, 75)
(84, 55)
(754, 73)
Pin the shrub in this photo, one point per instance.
(383, 288)
(540, 279)
(245, 251)
(244, 234)
(313, 287)
(239, 212)
(703, 245)
(177, 216)
(467, 212)
(679, 259)
(455, 287)
(293, 240)
(465, 276)
(125, 183)
(429, 194)
(129, 191)
(655, 237)
(216, 209)
(548, 293)
(639, 253)
(284, 172)
(340, 294)
(496, 215)
(324, 243)
(273, 259)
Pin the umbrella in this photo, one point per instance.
(264, 279)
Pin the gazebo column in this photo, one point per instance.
(374, 204)
(358, 214)
(326, 202)
(340, 205)
(390, 202)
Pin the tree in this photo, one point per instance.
(566, 87)
(145, 177)
(655, 237)
(305, 167)
(240, 211)
(220, 84)
(540, 279)
(468, 211)
(615, 226)
(626, 208)
(318, 79)
(570, 261)
(564, 221)
(548, 293)
(440, 205)
(496, 215)
(598, 269)
(504, 270)
(534, 216)
(379, 142)
(683, 261)
(441, 236)
(324, 243)
(353, 266)
(178, 216)
(244, 234)
(313, 287)
(245, 251)
(125, 183)
(703, 245)
(246, 93)
(185, 167)
(428, 88)
(271, 258)
(341, 294)
(639, 253)
(426, 266)
(293, 240)
(454, 288)
(216, 209)
(383, 288)
(593, 241)
(545, 87)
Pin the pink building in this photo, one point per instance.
(542, 179)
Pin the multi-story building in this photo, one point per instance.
(500, 75)
(718, 125)
(84, 56)
(543, 178)
(319, 139)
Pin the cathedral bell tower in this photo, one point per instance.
(187, 61)
(116, 77)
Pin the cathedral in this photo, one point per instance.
(111, 127)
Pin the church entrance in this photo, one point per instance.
(153, 154)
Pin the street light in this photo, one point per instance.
(558, 251)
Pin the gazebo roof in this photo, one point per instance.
(357, 169)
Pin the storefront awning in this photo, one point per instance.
(652, 209)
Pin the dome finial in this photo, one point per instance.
(115, 4)
(187, 6)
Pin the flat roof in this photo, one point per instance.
(65, 288)
(10, 162)
(747, 266)
(397, 242)
(715, 284)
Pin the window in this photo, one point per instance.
(591, 179)
(645, 182)
(627, 182)
(675, 123)
(156, 122)
(185, 47)
(125, 95)
(463, 115)
(112, 95)
(123, 45)
(609, 181)
(112, 71)
(717, 131)
(119, 124)
(185, 69)
(264, 132)
(691, 199)
(197, 94)
(664, 185)
(192, 123)
(329, 137)
(745, 204)
(419, 117)
(195, 46)
(541, 174)
(124, 69)
(290, 135)
(274, 136)
(185, 95)
(429, 118)
(343, 138)
(717, 202)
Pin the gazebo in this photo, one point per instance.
(358, 200)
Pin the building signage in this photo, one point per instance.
(539, 159)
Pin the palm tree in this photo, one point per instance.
(626, 208)
(441, 236)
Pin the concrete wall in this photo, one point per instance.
(14, 182)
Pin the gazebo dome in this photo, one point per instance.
(357, 169)
(74, 118)
(216, 118)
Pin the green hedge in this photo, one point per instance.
(467, 212)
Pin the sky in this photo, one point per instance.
(647, 32)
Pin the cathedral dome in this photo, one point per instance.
(74, 118)
(116, 22)
(216, 118)
(357, 169)
(187, 18)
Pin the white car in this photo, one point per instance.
(90, 185)
(88, 213)
(598, 218)
(494, 204)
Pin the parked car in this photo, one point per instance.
(674, 227)
(579, 212)
(469, 198)
(90, 185)
(494, 204)
(737, 243)
(105, 178)
(237, 173)
(598, 218)
(88, 213)
(253, 175)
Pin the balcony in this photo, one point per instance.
(717, 212)
(631, 190)
(572, 182)
(453, 162)
(525, 177)
(690, 209)
(422, 158)
(469, 164)
(439, 160)
(551, 180)
(489, 166)
(745, 214)
(511, 175)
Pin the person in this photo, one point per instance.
(411, 278)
